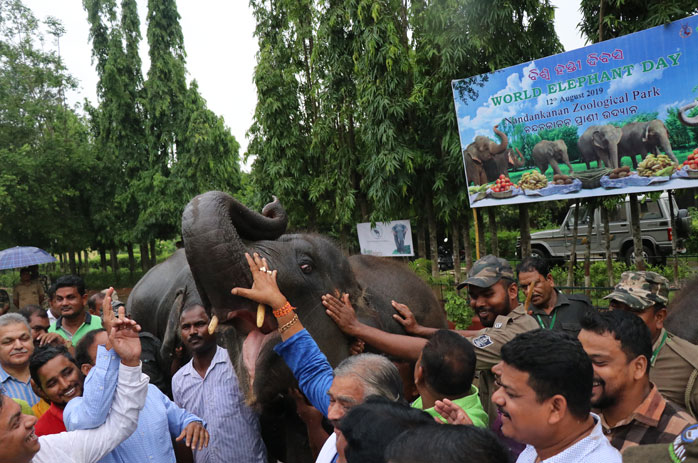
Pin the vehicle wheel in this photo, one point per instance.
(647, 254)
(540, 252)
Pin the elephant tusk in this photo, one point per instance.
(213, 325)
(260, 315)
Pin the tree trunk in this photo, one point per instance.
(114, 260)
(103, 258)
(573, 251)
(587, 252)
(492, 222)
(61, 259)
(79, 266)
(87, 261)
(674, 255)
(131, 259)
(607, 243)
(480, 230)
(637, 232)
(433, 243)
(71, 262)
(421, 240)
(525, 231)
(145, 260)
(455, 235)
(153, 254)
(467, 249)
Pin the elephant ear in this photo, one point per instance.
(598, 139)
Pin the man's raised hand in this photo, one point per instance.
(342, 313)
(123, 337)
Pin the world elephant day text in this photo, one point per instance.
(586, 80)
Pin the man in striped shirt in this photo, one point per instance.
(16, 347)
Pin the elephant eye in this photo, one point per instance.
(306, 268)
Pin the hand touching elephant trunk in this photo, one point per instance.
(213, 227)
(685, 119)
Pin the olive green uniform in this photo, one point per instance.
(488, 348)
(566, 314)
(675, 371)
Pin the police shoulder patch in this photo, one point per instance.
(498, 325)
(482, 341)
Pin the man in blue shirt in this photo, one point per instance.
(159, 421)
(16, 347)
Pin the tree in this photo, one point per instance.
(621, 17)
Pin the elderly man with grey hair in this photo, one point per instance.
(331, 392)
(16, 348)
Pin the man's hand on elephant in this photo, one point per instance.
(405, 317)
(264, 287)
(357, 347)
(451, 412)
(342, 313)
(194, 434)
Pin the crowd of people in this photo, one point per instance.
(549, 379)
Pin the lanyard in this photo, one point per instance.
(659, 347)
(552, 322)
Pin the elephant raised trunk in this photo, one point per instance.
(213, 227)
(496, 149)
(686, 120)
(517, 161)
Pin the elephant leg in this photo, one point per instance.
(555, 166)
(543, 166)
(569, 166)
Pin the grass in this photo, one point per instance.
(681, 156)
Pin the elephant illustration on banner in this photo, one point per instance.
(502, 162)
(551, 153)
(217, 231)
(600, 143)
(642, 138)
(687, 120)
(480, 151)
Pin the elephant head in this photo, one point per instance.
(217, 231)
(483, 150)
(656, 136)
(685, 119)
(605, 139)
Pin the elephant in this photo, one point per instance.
(682, 312)
(642, 138)
(399, 232)
(481, 150)
(501, 162)
(600, 143)
(685, 119)
(551, 152)
(217, 230)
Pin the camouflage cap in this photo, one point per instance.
(488, 271)
(641, 290)
(684, 449)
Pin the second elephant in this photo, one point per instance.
(551, 153)
(642, 138)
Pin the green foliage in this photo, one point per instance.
(680, 135)
(458, 310)
(621, 17)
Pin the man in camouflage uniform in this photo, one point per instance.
(492, 294)
(674, 362)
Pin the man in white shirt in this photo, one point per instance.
(544, 396)
(20, 444)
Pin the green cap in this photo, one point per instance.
(684, 449)
(641, 290)
(488, 271)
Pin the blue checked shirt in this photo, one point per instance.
(234, 427)
(16, 389)
(158, 422)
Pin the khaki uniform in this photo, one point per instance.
(675, 371)
(488, 348)
(29, 293)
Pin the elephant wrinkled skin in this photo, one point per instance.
(600, 143)
(551, 153)
(217, 230)
(642, 138)
(480, 151)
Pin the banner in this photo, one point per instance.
(616, 117)
(386, 238)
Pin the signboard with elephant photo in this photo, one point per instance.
(392, 239)
(616, 117)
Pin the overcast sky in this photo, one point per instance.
(220, 50)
